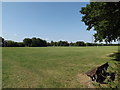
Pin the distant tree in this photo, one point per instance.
(52, 43)
(37, 42)
(59, 43)
(20, 44)
(1, 42)
(27, 42)
(89, 44)
(44, 43)
(79, 43)
(55, 43)
(94, 44)
(9, 43)
(100, 44)
(72, 44)
(63, 43)
(49, 44)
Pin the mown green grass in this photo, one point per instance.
(0, 67)
(50, 67)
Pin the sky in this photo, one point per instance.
(0, 18)
(46, 20)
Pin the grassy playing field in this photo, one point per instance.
(50, 67)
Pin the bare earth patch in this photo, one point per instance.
(84, 80)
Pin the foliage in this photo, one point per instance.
(62, 43)
(9, 43)
(37, 42)
(104, 17)
(27, 42)
(1, 41)
(34, 42)
(80, 43)
(20, 44)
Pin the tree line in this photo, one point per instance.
(37, 42)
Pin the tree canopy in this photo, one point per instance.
(27, 41)
(104, 18)
(34, 42)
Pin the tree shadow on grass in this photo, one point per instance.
(116, 58)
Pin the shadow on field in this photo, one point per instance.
(116, 58)
(113, 79)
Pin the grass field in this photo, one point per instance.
(50, 67)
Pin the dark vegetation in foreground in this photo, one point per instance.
(37, 42)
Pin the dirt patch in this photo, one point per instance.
(85, 81)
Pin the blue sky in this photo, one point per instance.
(49, 20)
(0, 18)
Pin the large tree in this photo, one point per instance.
(104, 18)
